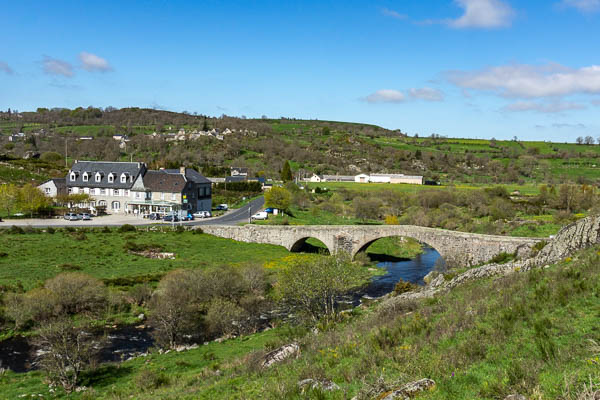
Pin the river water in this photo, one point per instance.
(18, 355)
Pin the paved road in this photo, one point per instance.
(235, 217)
(232, 217)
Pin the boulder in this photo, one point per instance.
(322, 384)
(280, 354)
(438, 281)
(409, 390)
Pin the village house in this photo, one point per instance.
(128, 187)
(54, 187)
(236, 171)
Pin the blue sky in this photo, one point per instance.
(461, 68)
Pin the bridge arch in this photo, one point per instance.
(364, 245)
(307, 245)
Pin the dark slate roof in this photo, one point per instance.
(104, 167)
(60, 183)
(164, 181)
(191, 175)
(235, 179)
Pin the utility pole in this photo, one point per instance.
(66, 165)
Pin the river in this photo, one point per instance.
(17, 354)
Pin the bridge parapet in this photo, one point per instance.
(457, 248)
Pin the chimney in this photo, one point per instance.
(182, 170)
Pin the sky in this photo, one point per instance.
(457, 68)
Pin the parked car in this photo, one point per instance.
(154, 216)
(202, 214)
(71, 217)
(171, 218)
(222, 207)
(85, 217)
(187, 217)
(260, 215)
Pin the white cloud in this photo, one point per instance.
(53, 66)
(427, 94)
(391, 13)
(542, 107)
(585, 6)
(91, 62)
(4, 67)
(483, 14)
(385, 96)
(527, 81)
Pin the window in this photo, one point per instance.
(70, 190)
(116, 205)
(126, 194)
(123, 178)
(102, 192)
(173, 196)
(85, 176)
(75, 190)
(73, 176)
(86, 190)
(111, 178)
(102, 203)
(47, 190)
(162, 196)
(98, 176)
(137, 195)
(148, 195)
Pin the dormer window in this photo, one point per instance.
(73, 176)
(123, 178)
(98, 176)
(85, 176)
(111, 177)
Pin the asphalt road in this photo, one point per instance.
(235, 217)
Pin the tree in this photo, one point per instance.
(312, 286)
(278, 197)
(32, 200)
(67, 352)
(579, 140)
(286, 172)
(589, 140)
(9, 196)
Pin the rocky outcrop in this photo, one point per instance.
(576, 236)
(280, 354)
(409, 390)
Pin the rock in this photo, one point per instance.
(141, 317)
(430, 277)
(281, 354)
(515, 397)
(576, 236)
(409, 390)
(323, 384)
(438, 281)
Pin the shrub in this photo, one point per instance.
(502, 258)
(224, 317)
(140, 294)
(126, 228)
(74, 292)
(50, 230)
(79, 235)
(16, 230)
(403, 287)
(197, 231)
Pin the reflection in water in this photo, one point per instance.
(408, 270)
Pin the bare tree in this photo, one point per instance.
(579, 140)
(589, 140)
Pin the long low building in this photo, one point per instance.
(372, 178)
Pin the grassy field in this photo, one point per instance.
(533, 333)
(34, 257)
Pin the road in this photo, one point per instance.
(235, 217)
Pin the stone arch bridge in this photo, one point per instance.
(457, 248)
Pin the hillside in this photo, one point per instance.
(158, 138)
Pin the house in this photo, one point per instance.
(54, 187)
(108, 183)
(169, 190)
(315, 178)
(121, 138)
(235, 178)
(16, 137)
(128, 187)
(410, 179)
(236, 171)
(361, 178)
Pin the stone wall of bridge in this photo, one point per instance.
(457, 248)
